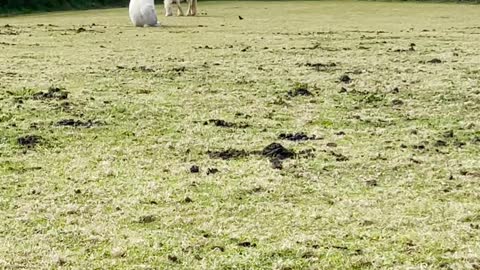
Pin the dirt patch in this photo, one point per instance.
(300, 91)
(345, 78)
(76, 123)
(141, 69)
(307, 153)
(278, 151)
(321, 66)
(29, 141)
(212, 171)
(435, 61)
(194, 169)
(275, 152)
(299, 136)
(339, 157)
(179, 70)
(228, 154)
(7, 44)
(397, 102)
(440, 143)
(243, 115)
(223, 123)
(52, 93)
(247, 244)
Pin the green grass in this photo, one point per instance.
(19, 7)
(119, 194)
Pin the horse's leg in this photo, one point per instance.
(189, 11)
(168, 7)
(179, 7)
(194, 7)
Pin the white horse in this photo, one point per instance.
(192, 7)
(142, 13)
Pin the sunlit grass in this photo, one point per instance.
(392, 183)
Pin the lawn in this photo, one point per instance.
(153, 148)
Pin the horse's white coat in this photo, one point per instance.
(168, 7)
(192, 7)
(142, 13)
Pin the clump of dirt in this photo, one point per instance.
(276, 163)
(194, 169)
(30, 141)
(339, 157)
(239, 114)
(81, 30)
(397, 102)
(179, 70)
(345, 78)
(247, 244)
(76, 123)
(307, 153)
(435, 61)
(173, 258)
(440, 143)
(276, 150)
(228, 154)
(223, 123)
(7, 44)
(300, 91)
(143, 69)
(332, 144)
(212, 171)
(204, 47)
(320, 66)
(299, 136)
(52, 93)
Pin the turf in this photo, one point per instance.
(152, 148)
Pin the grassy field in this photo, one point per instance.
(151, 148)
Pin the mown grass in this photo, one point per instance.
(392, 183)
(21, 7)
